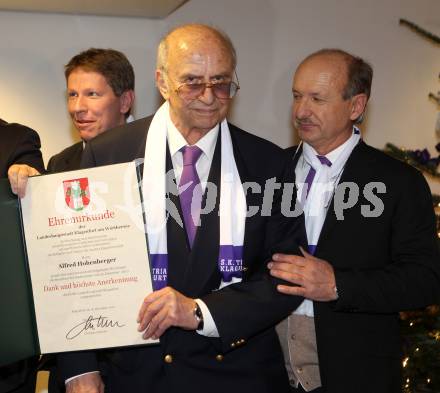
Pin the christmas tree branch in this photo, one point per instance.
(419, 159)
(435, 97)
(418, 29)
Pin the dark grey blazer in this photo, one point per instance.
(67, 160)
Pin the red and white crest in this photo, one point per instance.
(76, 193)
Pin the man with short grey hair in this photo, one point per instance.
(372, 248)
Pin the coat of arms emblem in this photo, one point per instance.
(76, 193)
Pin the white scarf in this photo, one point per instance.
(232, 209)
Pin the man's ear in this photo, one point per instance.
(359, 102)
(126, 99)
(162, 83)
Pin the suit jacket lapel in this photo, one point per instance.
(356, 164)
(252, 199)
(74, 161)
(71, 161)
(178, 251)
(297, 155)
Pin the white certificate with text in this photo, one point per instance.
(88, 258)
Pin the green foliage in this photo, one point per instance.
(421, 329)
(421, 350)
(419, 30)
(414, 158)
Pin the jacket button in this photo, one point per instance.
(233, 345)
(245, 269)
(168, 359)
(219, 358)
(242, 341)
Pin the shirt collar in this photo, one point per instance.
(176, 140)
(334, 154)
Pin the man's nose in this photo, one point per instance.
(79, 104)
(208, 96)
(301, 108)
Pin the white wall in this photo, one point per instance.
(271, 37)
(33, 51)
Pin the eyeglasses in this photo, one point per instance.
(222, 90)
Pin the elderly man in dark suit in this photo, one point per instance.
(19, 144)
(214, 308)
(371, 233)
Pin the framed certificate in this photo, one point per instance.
(88, 265)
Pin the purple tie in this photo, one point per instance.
(191, 190)
(311, 175)
(309, 180)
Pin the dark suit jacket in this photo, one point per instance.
(19, 145)
(67, 160)
(382, 265)
(251, 358)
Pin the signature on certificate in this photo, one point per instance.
(91, 324)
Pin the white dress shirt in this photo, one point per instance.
(206, 144)
(203, 165)
(317, 202)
